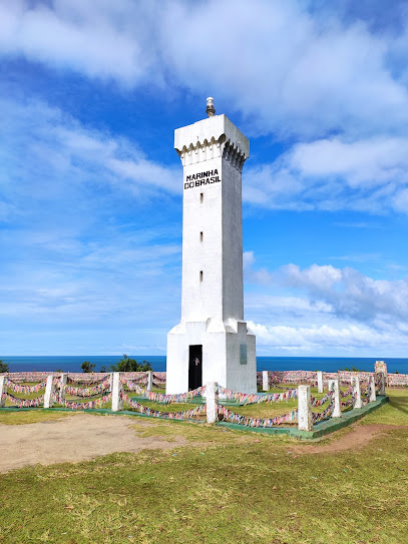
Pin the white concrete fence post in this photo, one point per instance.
(3, 390)
(320, 381)
(355, 382)
(373, 396)
(149, 381)
(337, 401)
(63, 384)
(49, 390)
(305, 421)
(117, 400)
(211, 396)
(265, 380)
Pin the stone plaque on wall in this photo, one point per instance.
(243, 355)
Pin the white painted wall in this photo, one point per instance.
(49, 389)
(201, 300)
(355, 382)
(117, 401)
(320, 381)
(3, 390)
(212, 402)
(233, 294)
(305, 418)
(212, 309)
(337, 400)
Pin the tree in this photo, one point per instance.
(130, 365)
(87, 367)
(3, 367)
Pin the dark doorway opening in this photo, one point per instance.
(195, 372)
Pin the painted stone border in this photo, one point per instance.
(100, 411)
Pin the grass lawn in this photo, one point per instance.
(226, 487)
(29, 416)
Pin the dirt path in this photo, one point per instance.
(357, 438)
(83, 437)
(72, 439)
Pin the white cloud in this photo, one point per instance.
(248, 259)
(345, 293)
(93, 38)
(260, 276)
(285, 307)
(365, 175)
(357, 225)
(317, 340)
(358, 258)
(400, 201)
(324, 309)
(333, 89)
(143, 171)
(287, 68)
(59, 153)
(350, 293)
(83, 283)
(73, 293)
(84, 248)
(315, 278)
(360, 163)
(293, 71)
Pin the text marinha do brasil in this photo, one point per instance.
(202, 178)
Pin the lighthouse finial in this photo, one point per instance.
(210, 111)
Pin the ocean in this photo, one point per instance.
(73, 363)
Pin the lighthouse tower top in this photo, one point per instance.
(216, 130)
(213, 152)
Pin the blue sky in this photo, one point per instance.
(90, 186)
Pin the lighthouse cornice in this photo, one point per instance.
(211, 138)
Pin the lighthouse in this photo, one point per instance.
(212, 342)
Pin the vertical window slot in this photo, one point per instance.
(201, 236)
(201, 275)
(201, 197)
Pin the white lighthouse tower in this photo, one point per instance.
(211, 342)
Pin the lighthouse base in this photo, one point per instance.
(211, 351)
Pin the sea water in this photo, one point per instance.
(73, 363)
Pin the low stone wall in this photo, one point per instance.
(159, 378)
(397, 380)
(27, 377)
(309, 377)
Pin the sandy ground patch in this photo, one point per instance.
(83, 437)
(73, 439)
(357, 438)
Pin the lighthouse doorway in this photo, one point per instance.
(195, 375)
